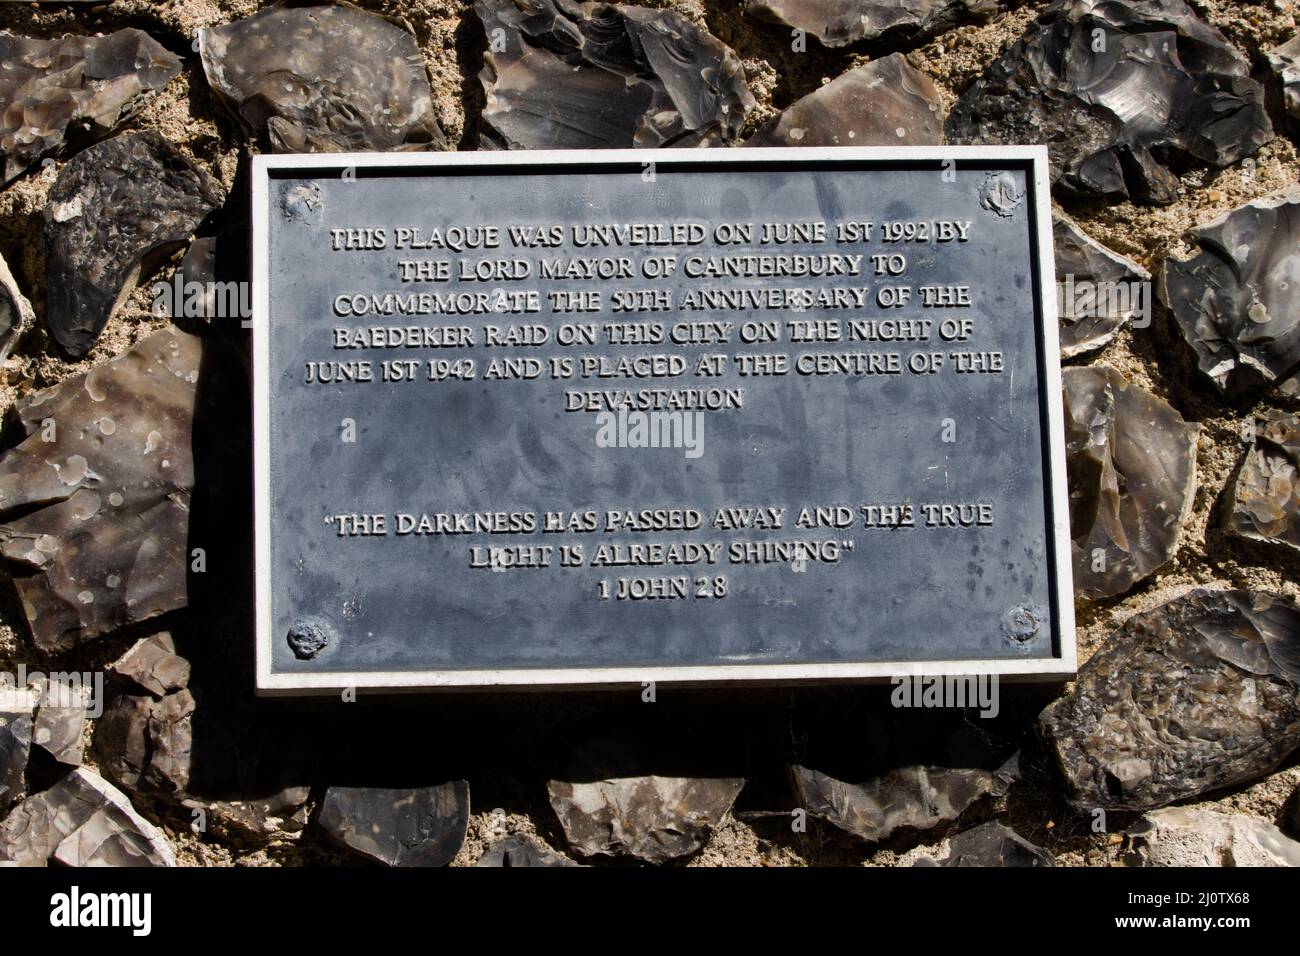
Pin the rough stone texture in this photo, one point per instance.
(419, 826)
(1284, 61)
(1092, 282)
(145, 745)
(82, 821)
(841, 22)
(1235, 300)
(74, 86)
(1166, 90)
(322, 79)
(515, 851)
(121, 739)
(153, 665)
(61, 721)
(15, 748)
(116, 212)
(97, 517)
(1264, 499)
(884, 103)
(1132, 477)
(906, 798)
(1192, 696)
(649, 818)
(16, 706)
(16, 315)
(994, 844)
(559, 74)
(259, 819)
(171, 741)
(1187, 836)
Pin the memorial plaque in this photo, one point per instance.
(585, 418)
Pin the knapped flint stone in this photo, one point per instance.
(1235, 301)
(15, 742)
(841, 22)
(153, 665)
(1284, 62)
(197, 271)
(60, 722)
(145, 745)
(322, 79)
(1084, 259)
(1192, 696)
(410, 826)
(257, 819)
(907, 798)
(994, 844)
(81, 85)
(98, 517)
(650, 818)
(1264, 499)
(1131, 463)
(884, 103)
(1164, 91)
(15, 748)
(114, 214)
(1190, 836)
(519, 850)
(16, 315)
(82, 820)
(121, 740)
(561, 74)
(171, 742)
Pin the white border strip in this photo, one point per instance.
(1061, 667)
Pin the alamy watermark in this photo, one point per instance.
(77, 909)
(71, 689)
(952, 691)
(176, 298)
(1089, 298)
(632, 429)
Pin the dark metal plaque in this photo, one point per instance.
(699, 415)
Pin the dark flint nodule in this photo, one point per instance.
(115, 213)
(520, 850)
(16, 315)
(153, 665)
(1089, 324)
(841, 22)
(883, 103)
(95, 499)
(322, 79)
(994, 844)
(586, 75)
(1131, 460)
(634, 796)
(82, 820)
(913, 798)
(1235, 301)
(416, 826)
(81, 85)
(1192, 696)
(15, 744)
(1284, 62)
(1264, 499)
(1126, 94)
